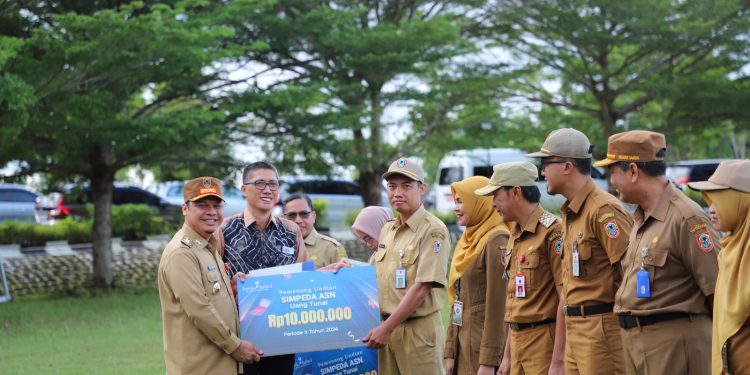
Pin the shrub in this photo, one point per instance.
(129, 221)
(320, 206)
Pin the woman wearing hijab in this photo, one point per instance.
(368, 224)
(477, 295)
(727, 192)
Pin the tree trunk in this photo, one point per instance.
(102, 181)
(371, 183)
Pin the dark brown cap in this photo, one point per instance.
(634, 146)
(202, 187)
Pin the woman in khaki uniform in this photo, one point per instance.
(728, 194)
(476, 295)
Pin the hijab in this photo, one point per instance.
(371, 220)
(484, 222)
(732, 296)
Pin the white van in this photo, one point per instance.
(459, 164)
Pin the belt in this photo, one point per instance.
(587, 310)
(385, 317)
(630, 321)
(522, 326)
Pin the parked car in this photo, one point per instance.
(73, 202)
(19, 203)
(684, 171)
(343, 196)
(460, 164)
(234, 201)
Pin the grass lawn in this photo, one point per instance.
(113, 334)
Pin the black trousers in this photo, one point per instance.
(276, 365)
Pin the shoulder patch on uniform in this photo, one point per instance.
(698, 227)
(547, 219)
(612, 230)
(437, 234)
(437, 246)
(605, 217)
(705, 242)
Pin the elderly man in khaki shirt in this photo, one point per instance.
(411, 266)
(323, 250)
(199, 312)
(664, 301)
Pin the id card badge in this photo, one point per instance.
(576, 264)
(400, 278)
(458, 313)
(520, 285)
(643, 289)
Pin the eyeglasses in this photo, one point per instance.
(367, 240)
(261, 184)
(546, 163)
(302, 214)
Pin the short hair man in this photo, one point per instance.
(532, 259)
(411, 266)
(595, 235)
(322, 249)
(664, 301)
(255, 239)
(199, 312)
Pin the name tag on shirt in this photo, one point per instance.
(287, 250)
(643, 287)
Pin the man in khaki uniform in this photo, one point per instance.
(322, 249)
(411, 266)
(198, 309)
(533, 272)
(665, 299)
(595, 236)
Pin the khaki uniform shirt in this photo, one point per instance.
(681, 247)
(420, 245)
(540, 243)
(199, 313)
(597, 222)
(323, 250)
(480, 338)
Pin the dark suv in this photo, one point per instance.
(685, 171)
(73, 202)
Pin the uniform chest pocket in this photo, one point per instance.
(380, 255)
(654, 262)
(411, 253)
(214, 283)
(587, 268)
(530, 269)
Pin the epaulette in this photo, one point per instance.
(186, 241)
(547, 219)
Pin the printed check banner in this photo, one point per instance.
(308, 311)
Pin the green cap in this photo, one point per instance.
(515, 173)
(565, 143)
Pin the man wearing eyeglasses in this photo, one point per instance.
(411, 266)
(255, 239)
(595, 238)
(323, 250)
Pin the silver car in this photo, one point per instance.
(19, 203)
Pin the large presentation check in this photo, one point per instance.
(308, 311)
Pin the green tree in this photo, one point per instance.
(598, 62)
(114, 86)
(341, 69)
